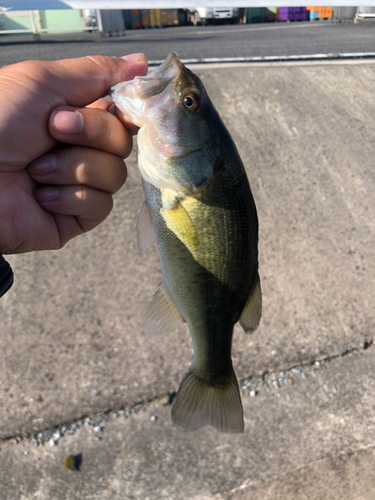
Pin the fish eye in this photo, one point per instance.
(191, 101)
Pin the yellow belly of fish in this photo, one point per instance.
(192, 222)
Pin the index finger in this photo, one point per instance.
(102, 103)
(133, 129)
(83, 80)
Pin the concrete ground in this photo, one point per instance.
(77, 375)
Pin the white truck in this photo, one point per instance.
(208, 15)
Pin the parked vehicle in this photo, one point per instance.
(208, 15)
(91, 22)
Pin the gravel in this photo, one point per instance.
(277, 380)
(53, 436)
(249, 387)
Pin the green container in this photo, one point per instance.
(127, 19)
(255, 15)
(182, 17)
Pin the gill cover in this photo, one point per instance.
(174, 139)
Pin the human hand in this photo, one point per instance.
(50, 194)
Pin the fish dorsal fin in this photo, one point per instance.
(145, 229)
(252, 312)
(179, 221)
(162, 316)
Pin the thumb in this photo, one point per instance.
(83, 80)
(30, 90)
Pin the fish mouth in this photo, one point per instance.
(134, 98)
(153, 84)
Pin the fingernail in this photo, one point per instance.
(67, 122)
(46, 194)
(134, 57)
(45, 165)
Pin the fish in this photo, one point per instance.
(200, 210)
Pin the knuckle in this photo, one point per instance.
(81, 195)
(121, 175)
(127, 143)
(83, 168)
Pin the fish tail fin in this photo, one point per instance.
(198, 403)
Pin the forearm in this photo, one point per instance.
(6, 276)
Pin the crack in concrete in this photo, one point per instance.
(249, 387)
(275, 380)
(343, 455)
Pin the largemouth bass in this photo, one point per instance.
(199, 207)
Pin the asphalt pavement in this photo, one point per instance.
(257, 40)
(78, 377)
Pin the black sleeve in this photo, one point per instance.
(6, 276)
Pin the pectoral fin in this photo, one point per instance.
(252, 312)
(179, 222)
(145, 229)
(162, 316)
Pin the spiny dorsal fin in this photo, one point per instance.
(145, 229)
(162, 316)
(198, 403)
(252, 312)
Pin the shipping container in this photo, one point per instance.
(182, 17)
(293, 14)
(168, 18)
(127, 19)
(319, 12)
(155, 18)
(135, 19)
(145, 18)
(344, 14)
(113, 22)
(255, 15)
(283, 14)
(174, 17)
(271, 13)
(164, 16)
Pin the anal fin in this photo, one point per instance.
(145, 229)
(252, 312)
(162, 316)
